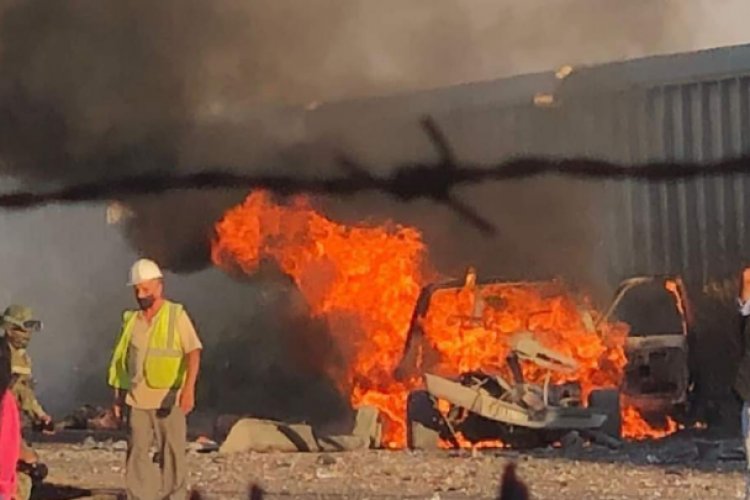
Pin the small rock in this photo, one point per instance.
(325, 459)
(89, 443)
(203, 445)
(324, 474)
(120, 445)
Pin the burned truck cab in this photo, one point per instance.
(657, 311)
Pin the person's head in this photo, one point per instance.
(19, 324)
(147, 282)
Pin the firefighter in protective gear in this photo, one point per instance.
(19, 324)
(153, 371)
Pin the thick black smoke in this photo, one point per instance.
(93, 90)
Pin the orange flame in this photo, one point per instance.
(364, 281)
(471, 335)
(672, 287)
(639, 429)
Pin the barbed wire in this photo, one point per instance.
(436, 180)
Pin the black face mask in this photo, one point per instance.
(145, 302)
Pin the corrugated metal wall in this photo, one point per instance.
(628, 113)
(697, 227)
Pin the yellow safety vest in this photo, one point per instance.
(164, 366)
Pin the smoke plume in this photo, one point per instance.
(99, 90)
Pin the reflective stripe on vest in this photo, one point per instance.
(164, 361)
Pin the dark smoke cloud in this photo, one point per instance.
(159, 228)
(93, 90)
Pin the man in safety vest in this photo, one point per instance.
(154, 369)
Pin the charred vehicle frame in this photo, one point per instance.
(485, 406)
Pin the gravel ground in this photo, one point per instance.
(668, 469)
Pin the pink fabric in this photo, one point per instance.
(10, 445)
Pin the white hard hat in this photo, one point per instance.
(144, 270)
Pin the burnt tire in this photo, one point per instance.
(607, 401)
(423, 422)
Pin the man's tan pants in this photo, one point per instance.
(143, 479)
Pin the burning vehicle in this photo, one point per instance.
(369, 284)
(658, 312)
(529, 394)
(485, 407)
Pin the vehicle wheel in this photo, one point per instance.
(608, 402)
(423, 421)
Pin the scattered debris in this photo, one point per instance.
(674, 452)
(89, 443)
(731, 451)
(325, 474)
(265, 436)
(203, 445)
(369, 426)
(250, 434)
(326, 459)
(599, 437)
(343, 443)
(542, 99)
(89, 417)
(572, 441)
(387, 475)
(563, 71)
(92, 444)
